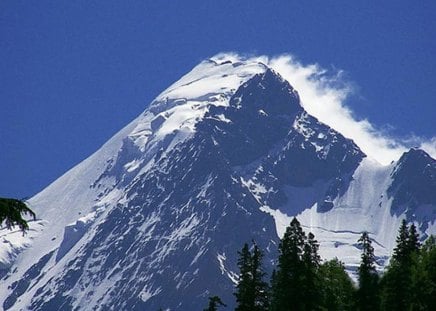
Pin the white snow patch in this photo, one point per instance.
(223, 118)
(230, 274)
(132, 165)
(147, 293)
(262, 113)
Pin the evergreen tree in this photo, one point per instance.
(336, 290)
(260, 287)
(12, 212)
(397, 287)
(413, 242)
(244, 291)
(273, 283)
(311, 248)
(311, 282)
(423, 277)
(396, 281)
(287, 292)
(214, 303)
(367, 294)
(401, 250)
(251, 291)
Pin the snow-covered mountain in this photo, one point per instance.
(225, 155)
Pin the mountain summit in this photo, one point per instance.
(225, 155)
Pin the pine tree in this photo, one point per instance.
(367, 294)
(336, 290)
(12, 212)
(401, 250)
(260, 287)
(244, 291)
(287, 294)
(397, 287)
(311, 282)
(273, 283)
(311, 248)
(424, 277)
(413, 242)
(251, 291)
(214, 303)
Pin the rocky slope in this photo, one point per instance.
(225, 155)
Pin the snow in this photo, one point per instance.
(209, 79)
(300, 125)
(262, 113)
(70, 210)
(356, 211)
(177, 109)
(256, 189)
(14, 241)
(222, 118)
(282, 220)
(146, 293)
(230, 274)
(132, 165)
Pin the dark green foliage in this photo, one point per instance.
(397, 287)
(367, 294)
(252, 290)
(214, 303)
(410, 280)
(311, 256)
(287, 292)
(301, 282)
(296, 283)
(260, 287)
(12, 212)
(311, 280)
(391, 299)
(401, 250)
(413, 241)
(423, 277)
(244, 294)
(337, 290)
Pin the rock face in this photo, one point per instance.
(224, 156)
(413, 185)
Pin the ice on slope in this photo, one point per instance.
(363, 207)
(73, 205)
(212, 77)
(85, 188)
(13, 242)
(180, 107)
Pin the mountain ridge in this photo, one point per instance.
(154, 210)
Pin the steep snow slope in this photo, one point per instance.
(156, 216)
(71, 205)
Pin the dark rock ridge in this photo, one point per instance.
(172, 241)
(413, 188)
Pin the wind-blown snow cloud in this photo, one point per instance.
(324, 95)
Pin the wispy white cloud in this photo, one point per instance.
(323, 95)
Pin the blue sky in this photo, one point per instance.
(72, 73)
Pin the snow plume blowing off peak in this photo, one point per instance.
(227, 154)
(324, 96)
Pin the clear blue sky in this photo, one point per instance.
(72, 73)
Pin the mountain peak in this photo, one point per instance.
(415, 154)
(226, 154)
(237, 59)
(413, 182)
(269, 93)
(222, 74)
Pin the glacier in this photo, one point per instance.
(227, 154)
